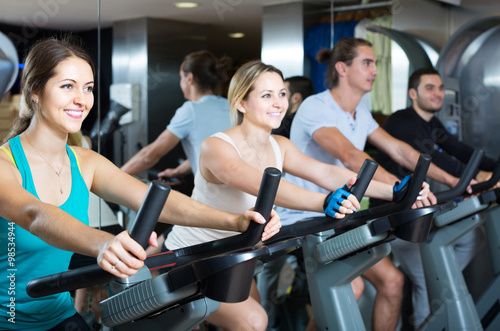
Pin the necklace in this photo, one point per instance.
(259, 158)
(58, 173)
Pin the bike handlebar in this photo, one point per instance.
(495, 177)
(414, 187)
(319, 224)
(94, 275)
(144, 224)
(465, 179)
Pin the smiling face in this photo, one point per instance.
(429, 95)
(267, 103)
(362, 71)
(67, 96)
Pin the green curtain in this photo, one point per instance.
(381, 92)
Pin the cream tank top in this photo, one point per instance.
(220, 196)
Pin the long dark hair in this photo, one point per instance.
(39, 67)
(345, 50)
(209, 72)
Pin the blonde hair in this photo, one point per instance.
(242, 84)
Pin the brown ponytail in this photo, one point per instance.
(345, 50)
(209, 73)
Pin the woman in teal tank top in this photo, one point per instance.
(32, 253)
(44, 193)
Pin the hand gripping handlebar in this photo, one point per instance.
(94, 275)
(318, 224)
(495, 177)
(145, 223)
(264, 204)
(414, 187)
(465, 179)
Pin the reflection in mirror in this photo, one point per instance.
(22, 24)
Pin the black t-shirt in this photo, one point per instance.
(286, 125)
(447, 152)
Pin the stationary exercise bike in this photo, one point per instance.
(183, 277)
(337, 252)
(452, 307)
(488, 304)
(274, 249)
(203, 276)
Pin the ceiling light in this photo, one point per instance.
(236, 35)
(185, 4)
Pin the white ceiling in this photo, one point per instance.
(81, 15)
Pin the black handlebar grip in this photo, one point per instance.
(93, 275)
(414, 187)
(319, 224)
(150, 211)
(495, 177)
(264, 203)
(415, 184)
(464, 180)
(364, 177)
(68, 281)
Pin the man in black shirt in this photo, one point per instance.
(299, 88)
(418, 126)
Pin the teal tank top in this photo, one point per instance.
(34, 258)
